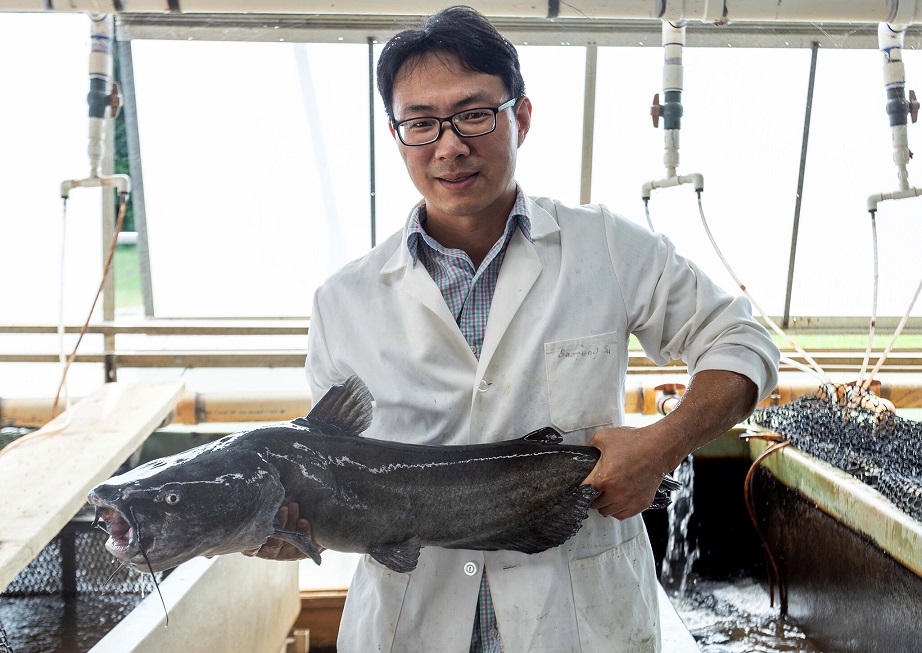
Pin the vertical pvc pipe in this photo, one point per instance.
(814, 48)
(890, 38)
(100, 83)
(673, 74)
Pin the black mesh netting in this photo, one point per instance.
(69, 596)
(4, 641)
(10, 433)
(93, 568)
(858, 433)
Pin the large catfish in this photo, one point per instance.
(372, 496)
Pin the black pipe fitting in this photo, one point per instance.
(672, 109)
(898, 107)
(98, 97)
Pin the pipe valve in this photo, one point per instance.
(115, 101)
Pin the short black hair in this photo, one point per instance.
(460, 31)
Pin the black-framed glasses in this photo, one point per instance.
(467, 124)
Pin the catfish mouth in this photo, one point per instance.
(123, 542)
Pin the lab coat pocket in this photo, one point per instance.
(582, 381)
(615, 600)
(372, 609)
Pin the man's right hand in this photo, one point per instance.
(275, 549)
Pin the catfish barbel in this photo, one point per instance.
(363, 495)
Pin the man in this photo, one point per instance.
(493, 314)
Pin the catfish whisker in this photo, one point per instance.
(96, 523)
(118, 568)
(137, 534)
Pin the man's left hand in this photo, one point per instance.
(628, 472)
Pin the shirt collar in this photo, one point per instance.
(416, 234)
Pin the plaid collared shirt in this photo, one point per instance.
(468, 294)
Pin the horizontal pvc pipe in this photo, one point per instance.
(695, 179)
(905, 12)
(201, 408)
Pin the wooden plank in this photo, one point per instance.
(227, 604)
(44, 482)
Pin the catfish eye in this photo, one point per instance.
(172, 498)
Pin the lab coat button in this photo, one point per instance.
(470, 568)
(484, 385)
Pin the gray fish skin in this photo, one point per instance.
(359, 494)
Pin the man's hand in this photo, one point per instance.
(628, 472)
(634, 461)
(273, 549)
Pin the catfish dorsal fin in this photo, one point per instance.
(547, 435)
(345, 407)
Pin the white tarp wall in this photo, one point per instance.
(43, 131)
(256, 167)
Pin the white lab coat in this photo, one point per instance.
(554, 352)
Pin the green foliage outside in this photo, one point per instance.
(127, 278)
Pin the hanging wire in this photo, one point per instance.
(896, 334)
(646, 208)
(86, 325)
(774, 574)
(105, 273)
(816, 366)
(62, 354)
(873, 325)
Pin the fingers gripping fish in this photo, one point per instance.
(363, 495)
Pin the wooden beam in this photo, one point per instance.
(321, 613)
(44, 482)
(176, 327)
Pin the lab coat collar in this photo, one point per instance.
(520, 270)
(542, 224)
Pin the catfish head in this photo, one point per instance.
(206, 501)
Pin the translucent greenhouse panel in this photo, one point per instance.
(550, 160)
(395, 193)
(742, 130)
(255, 169)
(851, 158)
(43, 128)
(554, 83)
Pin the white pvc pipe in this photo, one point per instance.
(100, 71)
(695, 179)
(904, 12)
(673, 76)
(890, 39)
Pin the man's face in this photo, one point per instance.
(460, 177)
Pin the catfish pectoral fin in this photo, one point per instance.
(669, 483)
(662, 499)
(302, 541)
(399, 556)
